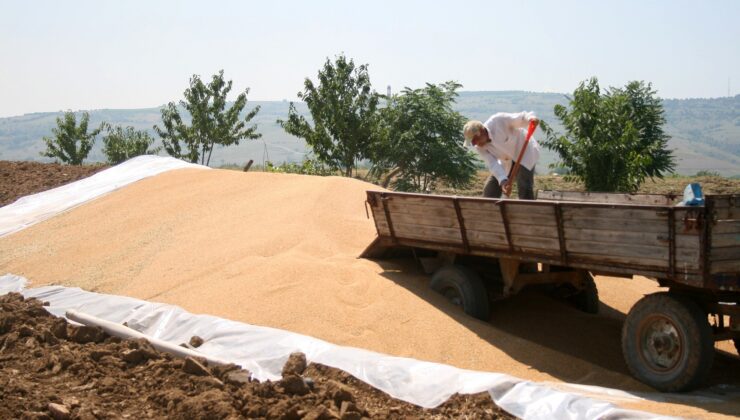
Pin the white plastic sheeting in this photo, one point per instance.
(34, 208)
(264, 351)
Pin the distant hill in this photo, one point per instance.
(705, 132)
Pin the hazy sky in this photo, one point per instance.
(58, 55)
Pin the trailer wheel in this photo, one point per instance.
(587, 299)
(463, 287)
(667, 342)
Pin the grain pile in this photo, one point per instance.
(281, 251)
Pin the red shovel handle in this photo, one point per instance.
(530, 131)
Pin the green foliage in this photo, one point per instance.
(613, 140)
(121, 144)
(307, 167)
(71, 143)
(211, 122)
(343, 110)
(420, 141)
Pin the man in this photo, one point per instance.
(499, 141)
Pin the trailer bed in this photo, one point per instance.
(623, 234)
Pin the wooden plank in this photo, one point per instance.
(729, 266)
(487, 239)
(523, 218)
(571, 212)
(630, 225)
(543, 232)
(530, 208)
(725, 201)
(611, 198)
(726, 226)
(432, 201)
(688, 241)
(382, 227)
(405, 230)
(725, 239)
(617, 236)
(425, 220)
(468, 204)
(442, 210)
(484, 225)
(723, 254)
(729, 213)
(491, 213)
(610, 249)
(551, 245)
(620, 261)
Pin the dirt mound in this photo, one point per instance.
(52, 369)
(18, 179)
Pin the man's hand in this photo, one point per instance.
(506, 187)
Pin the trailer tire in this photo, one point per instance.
(667, 342)
(587, 299)
(463, 287)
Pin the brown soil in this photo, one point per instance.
(52, 369)
(49, 368)
(18, 179)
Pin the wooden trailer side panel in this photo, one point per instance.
(652, 240)
(724, 240)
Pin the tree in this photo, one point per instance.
(211, 122)
(121, 144)
(613, 140)
(421, 140)
(71, 143)
(343, 110)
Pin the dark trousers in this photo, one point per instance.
(524, 181)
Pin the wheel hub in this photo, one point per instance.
(661, 344)
(453, 296)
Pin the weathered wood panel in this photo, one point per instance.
(728, 213)
(618, 237)
(631, 225)
(429, 233)
(644, 263)
(543, 232)
(425, 220)
(523, 218)
(688, 241)
(726, 226)
(609, 213)
(487, 239)
(492, 224)
(725, 239)
(489, 213)
(728, 266)
(725, 201)
(591, 197)
(441, 209)
(535, 242)
(724, 254)
(610, 249)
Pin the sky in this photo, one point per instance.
(74, 54)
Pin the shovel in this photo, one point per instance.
(515, 169)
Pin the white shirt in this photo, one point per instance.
(507, 132)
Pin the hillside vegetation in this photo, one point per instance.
(705, 132)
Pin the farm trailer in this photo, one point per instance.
(479, 250)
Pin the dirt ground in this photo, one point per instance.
(18, 179)
(51, 369)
